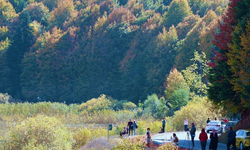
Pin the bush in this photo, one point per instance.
(119, 104)
(4, 98)
(96, 104)
(136, 143)
(197, 111)
(170, 146)
(129, 106)
(155, 106)
(83, 135)
(40, 132)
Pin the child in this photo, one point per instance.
(175, 139)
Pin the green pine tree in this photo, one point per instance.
(20, 43)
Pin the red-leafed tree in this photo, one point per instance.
(221, 90)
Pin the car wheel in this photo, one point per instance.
(241, 146)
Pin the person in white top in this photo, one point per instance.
(185, 124)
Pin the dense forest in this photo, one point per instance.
(73, 50)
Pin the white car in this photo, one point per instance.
(219, 126)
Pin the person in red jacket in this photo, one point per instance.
(203, 139)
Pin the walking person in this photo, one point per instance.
(130, 127)
(203, 139)
(214, 140)
(192, 133)
(231, 138)
(185, 124)
(134, 127)
(163, 124)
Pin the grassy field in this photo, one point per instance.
(43, 125)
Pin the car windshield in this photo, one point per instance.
(231, 123)
(213, 123)
(248, 133)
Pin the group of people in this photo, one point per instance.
(203, 137)
(130, 129)
(192, 131)
(231, 135)
(213, 136)
(203, 140)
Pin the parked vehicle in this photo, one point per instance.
(230, 124)
(243, 139)
(219, 126)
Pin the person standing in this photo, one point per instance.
(185, 124)
(208, 120)
(214, 140)
(203, 139)
(130, 127)
(231, 138)
(163, 124)
(134, 127)
(148, 137)
(192, 133)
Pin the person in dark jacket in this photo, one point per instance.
(203, 139)
(130, 127)
(163, 124)
(134, 127)
(192, 133)
(214, 140)
(231, 138)
(208, 120)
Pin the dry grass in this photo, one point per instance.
(100, 144)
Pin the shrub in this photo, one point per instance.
(39, 132)
(119, 104)
(136, 143)
(4, 98)
(96, 104)
(197, 111)
(155, 106)
(169, 146)
(129, 106)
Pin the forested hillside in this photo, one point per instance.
(73, 50)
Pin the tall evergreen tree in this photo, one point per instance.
(20, 43)
(238, 55)
(220, 90)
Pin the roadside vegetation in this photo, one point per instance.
(45, 125)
